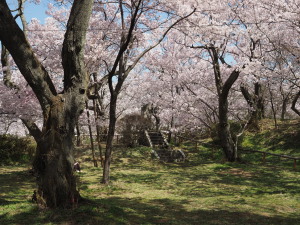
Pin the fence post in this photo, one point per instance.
(196, 145)
(295, 163)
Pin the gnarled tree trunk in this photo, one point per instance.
(54, 157)
(256, 103)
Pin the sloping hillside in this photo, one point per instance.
(283, 140)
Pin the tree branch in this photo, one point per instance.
(32, 128)
(123, 48)
(13, 38)
(6, 69)
(73, 45)
(229, 82)
(157, 43)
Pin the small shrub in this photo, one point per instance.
(16, 149)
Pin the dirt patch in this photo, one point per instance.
(238, 172)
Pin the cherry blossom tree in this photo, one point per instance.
(276, 25)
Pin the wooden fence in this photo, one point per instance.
(117, 137)
(273, 154)
(180, 138)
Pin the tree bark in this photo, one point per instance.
(98, 129)
(110, 136)
(223, 89)
(273, 106)
(53, 162)
(284, 108)
(91, 135)
(78, 137)
(256, 104)
(294, 102)
(227, 142)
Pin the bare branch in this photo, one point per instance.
(157, 43)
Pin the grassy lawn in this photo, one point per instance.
(203, 190)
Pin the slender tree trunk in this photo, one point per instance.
(98, 129)
(120, 62)
(273, 106)
(78, 138)
(284, 108)
(110, 137)
(157, 122)
(91, 135)
(170, 132)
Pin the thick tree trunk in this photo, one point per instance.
(227, 142)
(256, 103)
(54, 160)
(260, 101)
(54, 157)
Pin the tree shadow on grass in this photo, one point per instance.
(15, 182)
(239, 179)
(138, 211)
(266, 180)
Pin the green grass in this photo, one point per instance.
(203, 190)
(283, 140)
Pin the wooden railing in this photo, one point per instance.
(117, 137)
(180, 138)
(273, 154)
